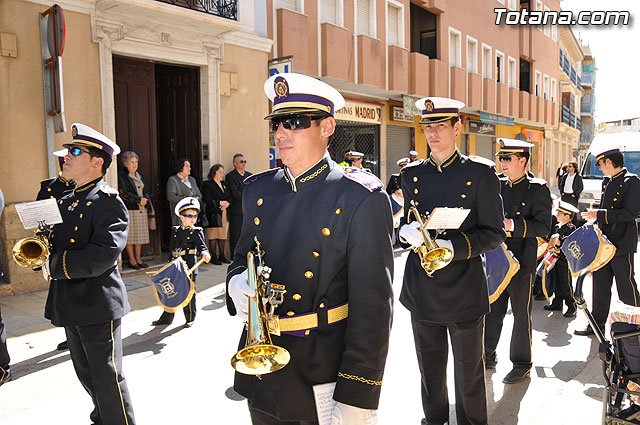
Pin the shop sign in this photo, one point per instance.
(409, 104)
(533, 135)
(369, 113)
(398, 114)
(495, 119)
(482, 128)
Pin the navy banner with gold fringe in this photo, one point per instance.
(173, 286)
(500, 266)
(587, 248)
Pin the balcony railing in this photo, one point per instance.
(566, 67)
(573, 76)
(588, 78)
(587, 106)
(579, 123)
(579, 83)
(223, 8)
(568, 116)
(585, 139)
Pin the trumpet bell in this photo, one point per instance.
(434, 259)
(260, 359)
(31, 252)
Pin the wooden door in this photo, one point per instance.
(178, 118)
(135, 112)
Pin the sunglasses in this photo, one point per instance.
(190, 215)
(244, 161)
(504, 158)
(78, 151)
(293, 122)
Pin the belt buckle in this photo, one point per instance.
(273, 324)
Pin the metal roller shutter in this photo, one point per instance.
(398, 146)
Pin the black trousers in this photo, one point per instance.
(573, 200)
(96, 353)
(620, 267)
(235, 227)
(519, 293)
(189, 310)
(4, 353)
(432, 349)
(260, 418)
(563, 290)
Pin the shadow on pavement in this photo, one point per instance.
(216, 303)
(505, 410)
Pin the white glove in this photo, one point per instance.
(240, 291)
(410, 233)
(46, 271)
(343, 414)
(443, 243)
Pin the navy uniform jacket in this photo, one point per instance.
(86, 287)
(54, 188)
(527, 201)
(188, 243)
(562, 232)
(457, 292)
(619, 207)
(327, 237)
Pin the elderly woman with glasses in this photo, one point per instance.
(135, 196)
(180, 186)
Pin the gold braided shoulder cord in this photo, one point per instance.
(64, 264)
(359, 378)
(468, 243)
(315, 174)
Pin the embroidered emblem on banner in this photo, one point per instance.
(574, 249)
(168, 288)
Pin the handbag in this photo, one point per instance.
(152, 217)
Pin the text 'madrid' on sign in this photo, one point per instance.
(369, 113)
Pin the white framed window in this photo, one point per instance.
(545, 87)
(365, 18)
(487, 63)
(455, 48)
(395, 24)
(472, 54)
(554, 32)
(539, 7)
(538, 84)
(329, 11)
(512, 72)
(513, 4)
(547, 27)
(554, 90)
(288, 4)
(500, 67)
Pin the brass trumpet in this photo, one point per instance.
(260, 356)
(33, 252)
(432, 256)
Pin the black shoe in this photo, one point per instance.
(216, 261)
(189, 324)
(143, 265)
(161, 322)
(540, 297)
(134, 266)
(571, 312)
(516, 375)
(553, 307)
(224, 259)
(586, 331)
(5, 375)
(62, 346)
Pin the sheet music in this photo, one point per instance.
(323, 394)
(31, 213)
(446, 218)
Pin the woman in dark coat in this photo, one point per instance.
(216, 196)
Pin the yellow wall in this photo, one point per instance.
(243, 127)
(23, 162)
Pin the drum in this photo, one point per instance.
(587, 248)
(500, 266)
(544, 267)
(542, 247)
